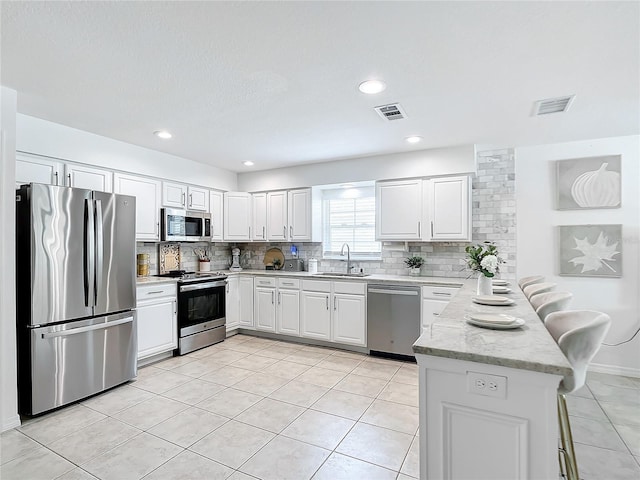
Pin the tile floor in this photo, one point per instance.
(256, 408)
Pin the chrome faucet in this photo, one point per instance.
(348, 256)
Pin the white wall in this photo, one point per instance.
(54, 140)
(537, 240)
(421, 163)
(8, 380)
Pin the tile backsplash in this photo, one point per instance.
(494, 219)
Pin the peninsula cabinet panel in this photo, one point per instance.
(399, 210)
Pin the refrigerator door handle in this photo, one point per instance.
(89, 254)
(99, 326)
(99, 248)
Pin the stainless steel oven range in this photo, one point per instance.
(201, 309)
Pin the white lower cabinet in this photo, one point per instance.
(315, 316)
(245, 286)
(157, 319)
(434, 301)
(349, 319)
(264, 308)
(232, 303)
(288, 307)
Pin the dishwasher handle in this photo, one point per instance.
(412, 293)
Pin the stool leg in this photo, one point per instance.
(567, 439)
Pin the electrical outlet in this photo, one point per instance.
(485, 384)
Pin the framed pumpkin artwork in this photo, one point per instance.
(588, 183)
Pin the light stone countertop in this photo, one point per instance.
(529, 347)
(150, 280)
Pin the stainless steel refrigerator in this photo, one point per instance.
(76, 324)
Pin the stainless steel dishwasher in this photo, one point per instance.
(393, 319)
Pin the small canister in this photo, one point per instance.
(143, 264)
(313, 265)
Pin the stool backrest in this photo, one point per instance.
(546, 303)
(536, 288)
(525, 281)
(579, 334)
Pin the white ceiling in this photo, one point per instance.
(276, 82)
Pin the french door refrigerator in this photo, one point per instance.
(75, 289)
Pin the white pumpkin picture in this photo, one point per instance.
(597, 189)
(588, 183)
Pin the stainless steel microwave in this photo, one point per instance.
(184, 225)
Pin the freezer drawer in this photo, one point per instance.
(71, 361)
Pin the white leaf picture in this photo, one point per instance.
(595, 255)
(591, 250)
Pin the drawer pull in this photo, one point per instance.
(445, 294)
(436, 314)
(287, 283)
(155, 292)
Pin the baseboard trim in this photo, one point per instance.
(11, 422)
(614, 370)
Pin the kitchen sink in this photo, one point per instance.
(335, 274)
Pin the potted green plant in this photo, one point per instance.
(414, 263)
(485, 260)
(277, 264)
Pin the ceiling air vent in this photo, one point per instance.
(552, 105)
(391, 112)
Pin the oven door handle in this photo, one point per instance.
(202, 286)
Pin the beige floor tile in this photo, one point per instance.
(238, 475)
(117, 399)
(271, 415)
(376, 370)
(261, 384)
(39, 464)
(341, 467)
(377, 445)
(148, 371)
(190, 466)
(621, 414)
(585, 407)
(343, 404)
(173, 362)
(393, 416)
(227, 376)
(400, 393)
(583, 392)
(299, 393)
(340, 364)
(285, 459)
(595, 433)
(254, 362)
(194, 392)
(306, 358)
(233, 443)
(599, 464)
(348, 354)
(162, 382)
(133, 459)
(247, 347)
(15, 444)
(206, 352)
(402, 476)
(610, 393)
(614, 380)
(370, 387)
(229, 402)
(77, 474)
(405, 375)
(225, 357)
(188, 426)
(51, 427)
(318, 428)
(287, 370)
(275, 352)
(631, 437)
(150, 412)
(323, 377)
(93, 440)
(411, 465)
(198, 368)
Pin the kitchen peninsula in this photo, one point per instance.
(488, 397)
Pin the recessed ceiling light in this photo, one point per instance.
(162, 134)
(413, 139)
(372, 86)
(248, 163)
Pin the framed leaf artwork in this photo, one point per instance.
(591, 250)
(588, 183)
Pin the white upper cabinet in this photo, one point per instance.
(277, 225)
(147, 192)
(215, 208)
(174, 195)
(36, 169)
(399, 210)
(300, 215)
(178, 195)
(447, 201)
(259, 214)
(237, 216)
(91, 178)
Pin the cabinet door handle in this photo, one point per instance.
(327, 299)
(335, 304)
(69, 177)
(431, 229)
(284, 231)
(249, 233)
(273, 297)
(279, 298)
(419, 230)
(290, 231)
(264, 237)
(184, 199)
(227, 288)
(157, 227)
(56, 175)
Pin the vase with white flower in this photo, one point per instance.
(485, 260)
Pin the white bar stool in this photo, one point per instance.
(546, 303)
(579, 334)
(537, 288)
(525, 281)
